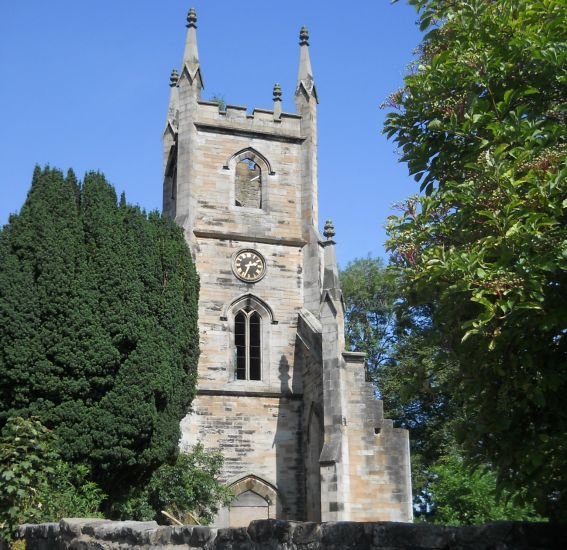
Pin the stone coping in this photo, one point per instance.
(87, 534)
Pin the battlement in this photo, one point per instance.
(235, 119)
(187, 107)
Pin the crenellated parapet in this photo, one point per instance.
(260, 122)
(265, 121)
(187, 84)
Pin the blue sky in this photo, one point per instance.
(85, 85)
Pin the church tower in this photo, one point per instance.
(288, 406)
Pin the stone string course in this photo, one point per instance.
(89, 534)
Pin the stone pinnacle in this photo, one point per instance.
(192, 18)
(304, 37)
(329, 231)
(173, 78)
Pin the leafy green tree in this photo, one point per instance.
(462, 495)
(188, 490)
(416, 378)
(481, 124)
(190, 485)
(418, 390)
(411, 370)
(370, 292)
(98, 326)
(35, 484)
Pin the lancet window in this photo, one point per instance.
(247, 340)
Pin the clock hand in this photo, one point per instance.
(248, 265)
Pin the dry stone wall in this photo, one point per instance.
(85, 534)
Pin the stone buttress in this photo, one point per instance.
(300, 430)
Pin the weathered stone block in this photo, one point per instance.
(227, 539)
(40, 537)
(306, 533)
(345, 534)
(129, 532)
(201, 536)
(261, 531)
(181, 534)
(417, 536)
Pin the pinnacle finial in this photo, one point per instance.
(192, 18)
(173, 78)
(277, 92)
(304, 37)
(329, 231)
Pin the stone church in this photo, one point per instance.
(278, 393)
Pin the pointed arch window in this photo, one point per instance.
(248, 184)
(248, 344)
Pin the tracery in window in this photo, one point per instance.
(247, 341)
(248, 184)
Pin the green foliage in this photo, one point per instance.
(26, 460)
(481, 124)
(219, 100)
(98, 326)
(418, 391)
(70, 493)
(466, 496)
(35, 484)
(188, 487)
(369, 291)
(134, 505)
(416, 377)
(406, 361)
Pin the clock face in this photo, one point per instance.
(249, 266)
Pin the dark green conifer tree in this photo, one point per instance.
(98, 325)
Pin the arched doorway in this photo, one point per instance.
(255, 499)
(247, 507)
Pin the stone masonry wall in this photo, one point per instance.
(248, 185)
(256, 435)
(214, 174)
(219, 288)
(379, 458)
(255, 423)
(313, 431)
(85, 534)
